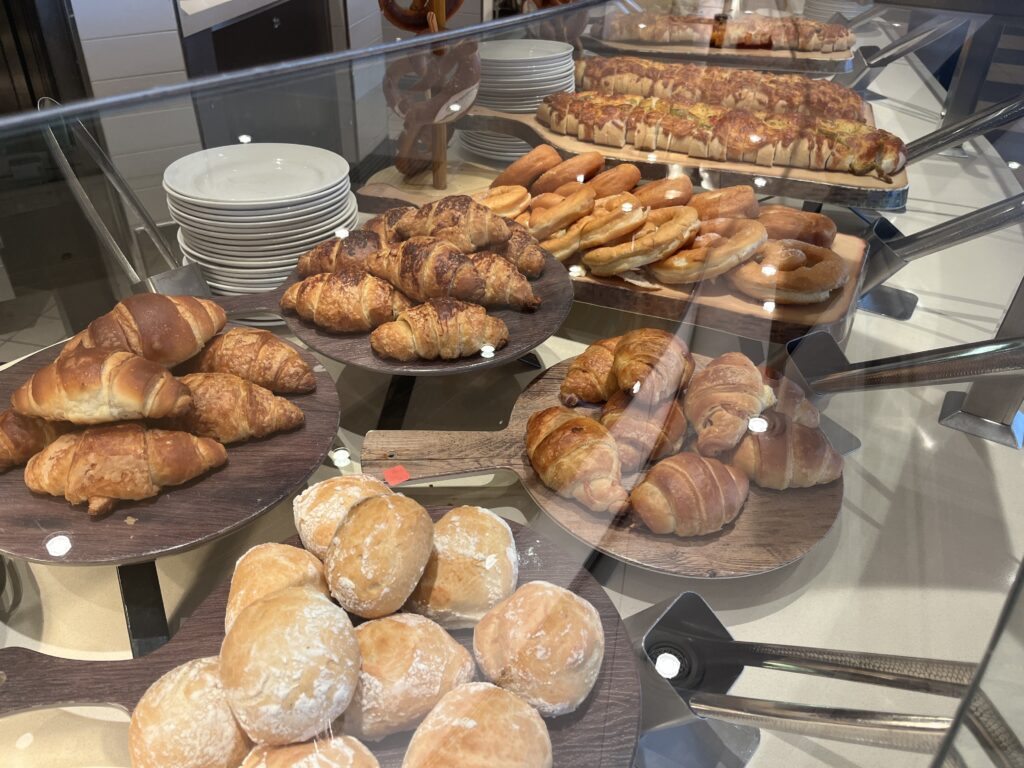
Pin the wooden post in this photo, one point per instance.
(440, 130)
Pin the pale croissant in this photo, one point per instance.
(22, 437)
(504, 285)
(230, 409)
(591, 376)
(652, 364)
(787, 455)
(440, 329)
(257, 356)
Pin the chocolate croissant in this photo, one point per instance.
(22, 437)
(787, 455)
(428, 268)
(523, 250)
(689, 495)
(384, 225)
(338, 253)
(652, 364)
(458, 219)
(257, 356)
(722, 399)
(439, 329)
(346, 301)
(791, 401)
(643, 431)
(230, 409)
(504, 285)
(576, 457)
(591, 378)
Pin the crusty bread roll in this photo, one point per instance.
(183, 720)
(267, 568)
(321, 507)
(543, 643)
(408, 664)
(378, 555)
(480, 726)
(335, 752)
(473, 566)
(290, 665)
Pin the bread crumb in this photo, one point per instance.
(130, 520)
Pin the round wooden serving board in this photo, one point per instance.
(526, 330)
(258, 474)
(602, 732)
(774, 528)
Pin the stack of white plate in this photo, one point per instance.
(515, 76)
(248, 211)
(823, 10)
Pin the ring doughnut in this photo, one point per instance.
(737, 202)
(524, 171)
(579, 168)
(674, 227)
(721, 245)
(613, 217)
(791, 272)
(565, 243)
(665, 193)
(620, 178)
(546, 221)
(785, 223)
(546, 200)
(569, 187)
(508, 201)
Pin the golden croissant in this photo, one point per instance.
(591, 378)
(504, 285)
(230, 409)
(722, 399)
(384, 225)
(257, 356)
(652, 364)
(346, 301)
(440, 329)
(523, 250)
(22, 437)
(576, 457)
(643, 431)
(428, 268)
(93, 386)
(121, 461)
(787, 455)
(458, 219)
(338, 253)
(165, 329)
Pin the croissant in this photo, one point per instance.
(652, 364)
(441, 328)
(165, 329)
(384, 225)
(22, 437)
(787, 455)
(504, 285)
(331, 255)
(791, 401)
(459, 219)
(523, 250)
(346, 301)
(428, 268)
(576, 457)
(257, 356)
(590, 377)
(119, 461)
(722, 399)
(93, 386)
(230, 409)
(689, 495)
(643, 431)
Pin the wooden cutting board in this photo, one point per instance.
(775, 528)
(602, 732)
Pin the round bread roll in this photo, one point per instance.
(320, 508)
(378, 555)
(267, 568)
(473, 566)
(478, 725)
(336, 752)
(545, 644)
(409, 663)
(290, 665)
(183, 720)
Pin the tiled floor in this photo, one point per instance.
(35, 333)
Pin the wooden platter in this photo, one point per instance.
(774, 529)
(602, 732)
(258, 475)
(783, 181)
(768, 60)
(526, 330)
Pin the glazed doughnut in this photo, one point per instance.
(665, 193)
(546, 221)
(523, 218)
(565, 243)
(613, 218)
(546, 200)
(791, 272)
(579, 168)
(621, 178)
(721, 245)
(524, 171)
(569, 187)
(674, 228)
(729, 203)
(508, 201)
(784, 223)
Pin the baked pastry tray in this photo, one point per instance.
(844, 189)
(258, 475)
(602, 732)
(774, 529)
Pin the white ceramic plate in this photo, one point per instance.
(251, 174)
(238, 261)
(248, 220)
(260, 227)
(229, 274)
(237, 289)
(513, 88)
(256, 209)
(523, 50)
(280, 234)
(257, 249)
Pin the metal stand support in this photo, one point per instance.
(143, 607)
(889, 302)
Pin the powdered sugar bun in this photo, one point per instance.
(472, 567)
(183, 720)
(408, 664)
(336, 752)
(478, 725)
(545, 644)
(320, 508)
(289, 665)
(378, 555)
(265, 569)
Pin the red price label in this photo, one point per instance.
(395, 475)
